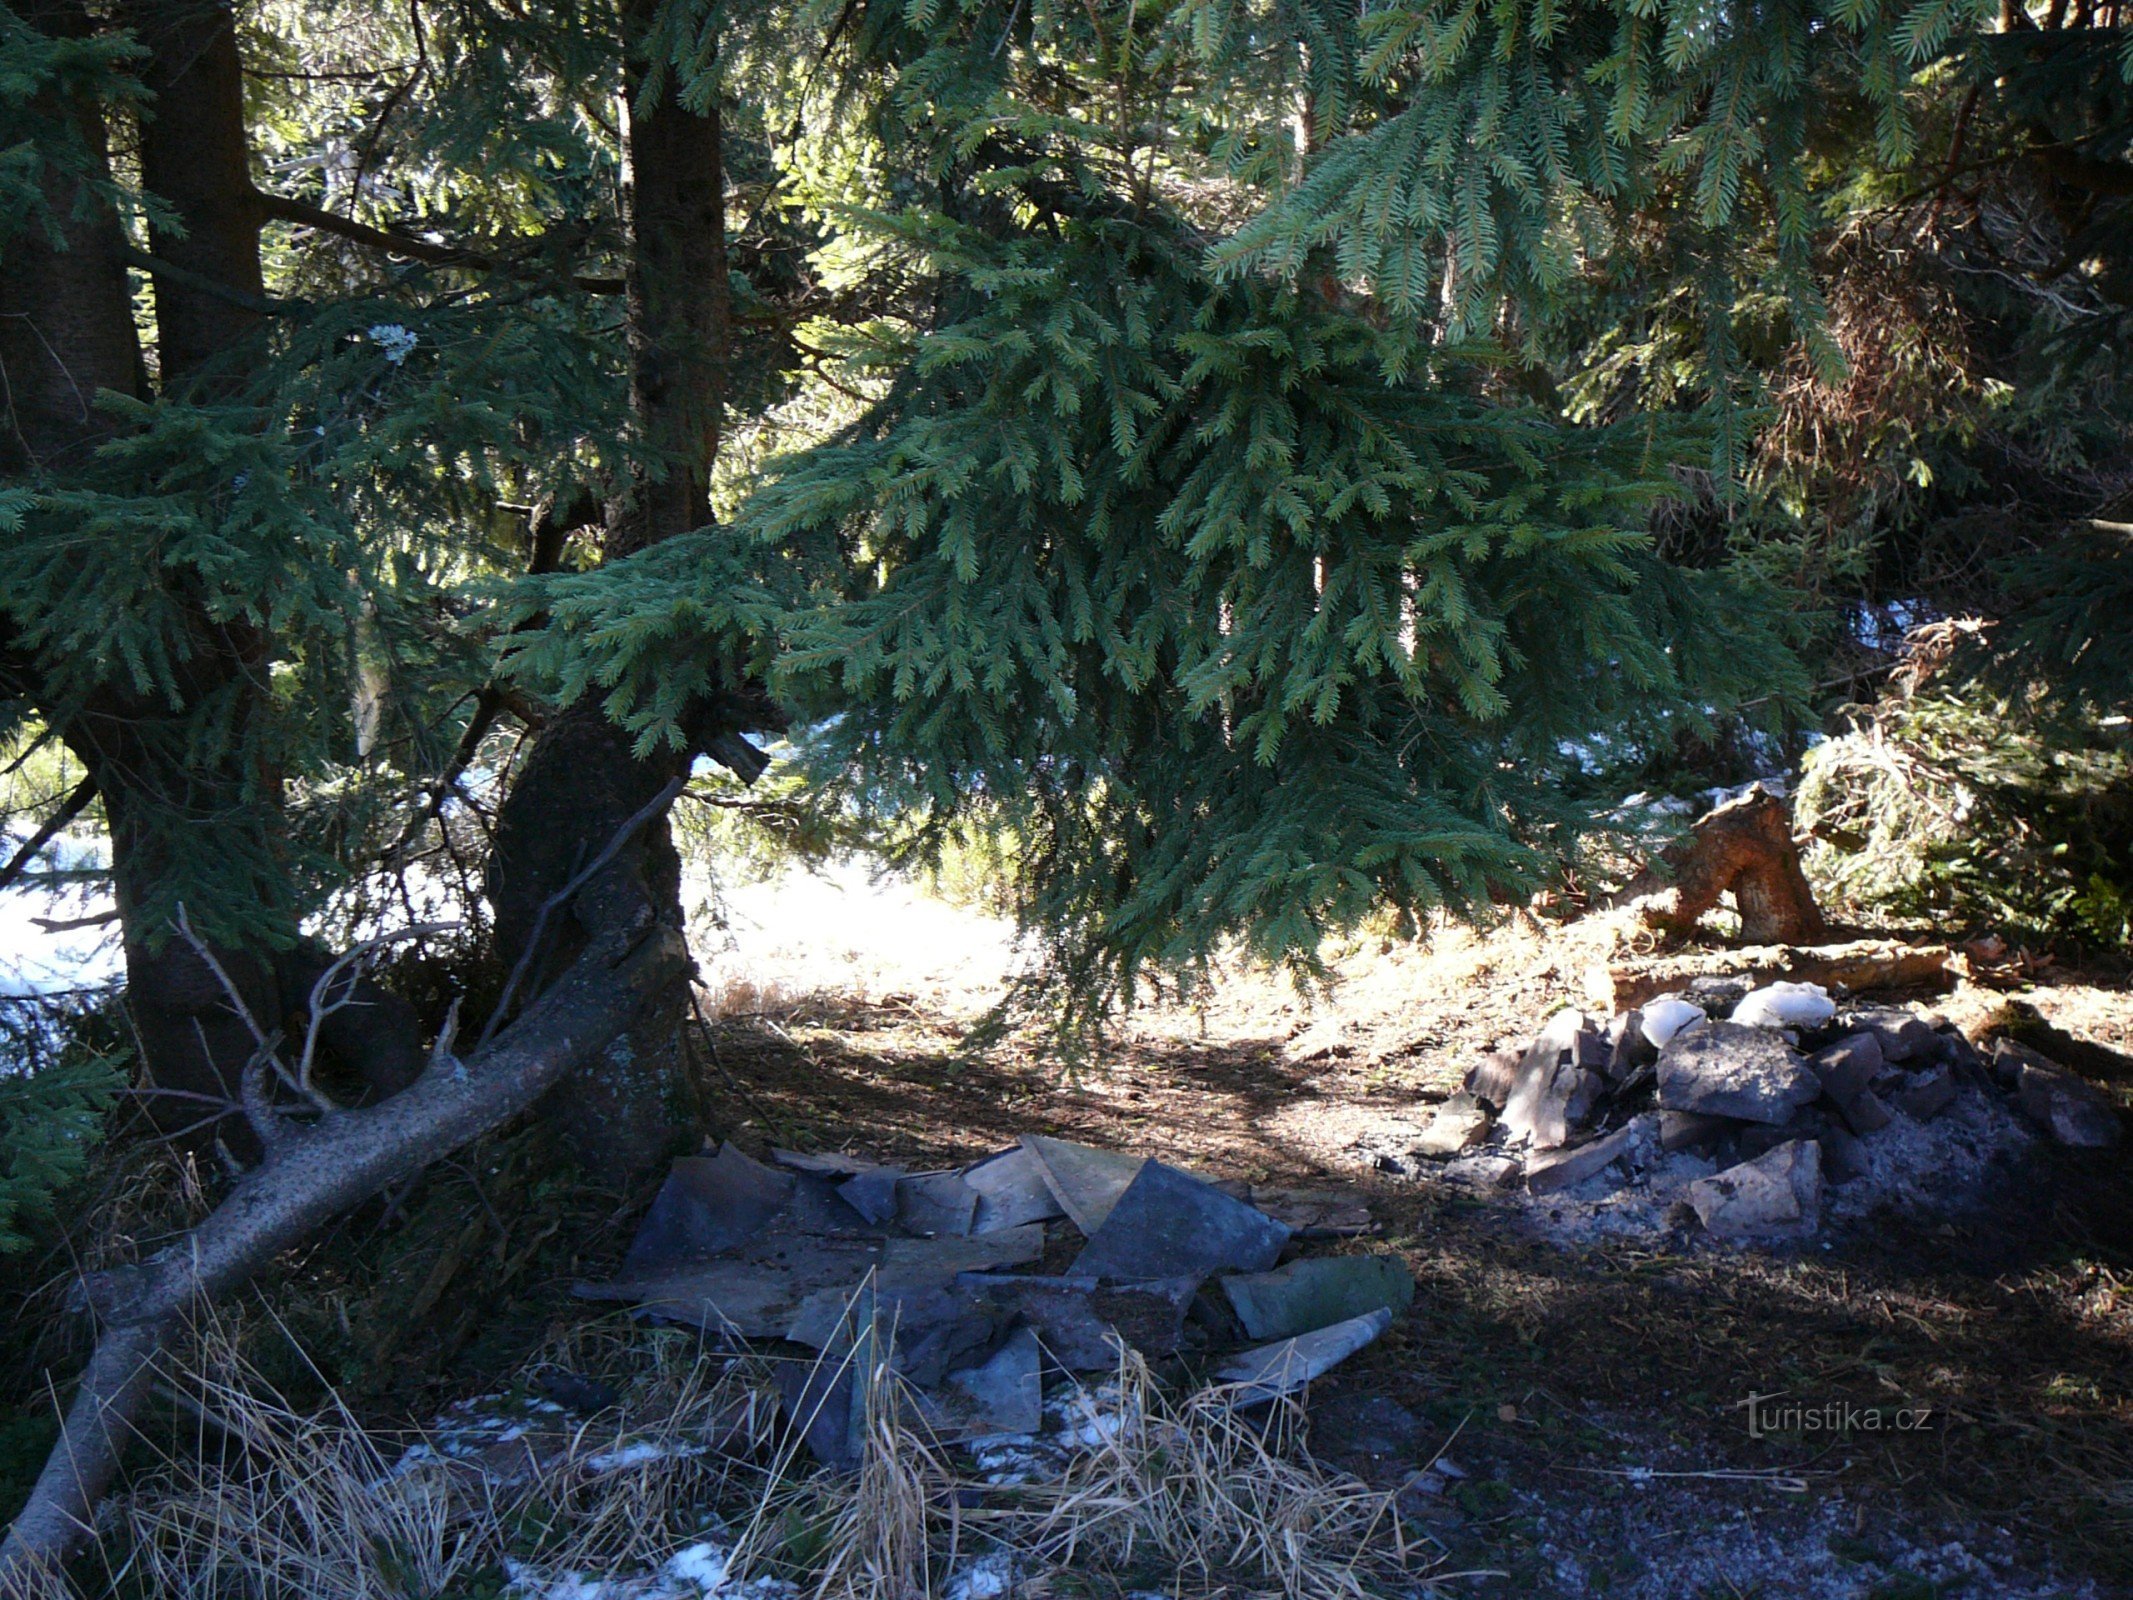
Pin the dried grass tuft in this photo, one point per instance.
(1189, 1495)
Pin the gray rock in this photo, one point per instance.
(2075, 1113)
(1865, 1112)
(1460, 1123)
(1692, 1130)
(1550, 1102)
(1903, 1034)
(1489, 1080)
(1011, 1191)
(1849, 1065)
(1627, 1047)
(1274, 1370)
(1553, 1093)
(1927, 1095)
(1168, 1224)
(935, 1203)
(2009, 1059)
(1317, 1292)
(1559, 1169)
(1844, 1158)
(1086, 1182)
(1482, 1171)
(1758, 1137)
(1727, 1070)
(1779, 1191)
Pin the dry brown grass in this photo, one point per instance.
(1191, 1495)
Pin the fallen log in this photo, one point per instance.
(309, 1175)
(1615, 986)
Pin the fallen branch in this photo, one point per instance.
(311, 1176)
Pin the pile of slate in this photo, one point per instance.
(978, 1286)
(1740, 1106)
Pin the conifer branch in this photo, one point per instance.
(288, 209)
(200, 283)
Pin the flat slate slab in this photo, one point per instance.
(871, 1192)
(1076, 1319)
(931, 1203)
(940, 1260)
(1724, 1069)
(1168, 1224)
(1317, 1292)
(708, 1204)
(754, 1294)
(1003, 1394)
(1560, 1169)
(1274, 1370)
(1011, 1191)
(1086, 1181)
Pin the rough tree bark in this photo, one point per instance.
(639, 1103)
(1746, 847)
(69, 333)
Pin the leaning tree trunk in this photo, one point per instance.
(1744, 847)
(639, 1103)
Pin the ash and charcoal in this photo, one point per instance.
(980, 1288)
(1770, 1113)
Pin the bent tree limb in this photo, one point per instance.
(309, 1177)
(1744, 847)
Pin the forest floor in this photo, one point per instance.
(1583, 1407)
(1591, 1398)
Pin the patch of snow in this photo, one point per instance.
(639, 1453)
(701, 1564)
(987, 1578)
(1786, 1005)
(1664, 1018)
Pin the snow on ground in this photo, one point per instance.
(40, 961)
(847, 929)
(40, 964)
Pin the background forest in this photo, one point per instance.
(1231, 469)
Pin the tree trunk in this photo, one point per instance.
(70, 332)
(1746, 847)
(639, 1104)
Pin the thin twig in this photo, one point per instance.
(324, 1003)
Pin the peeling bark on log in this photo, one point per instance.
(1861, 964)
(308, 1177)
(1744, 846)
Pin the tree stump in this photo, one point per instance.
(1745, 845)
